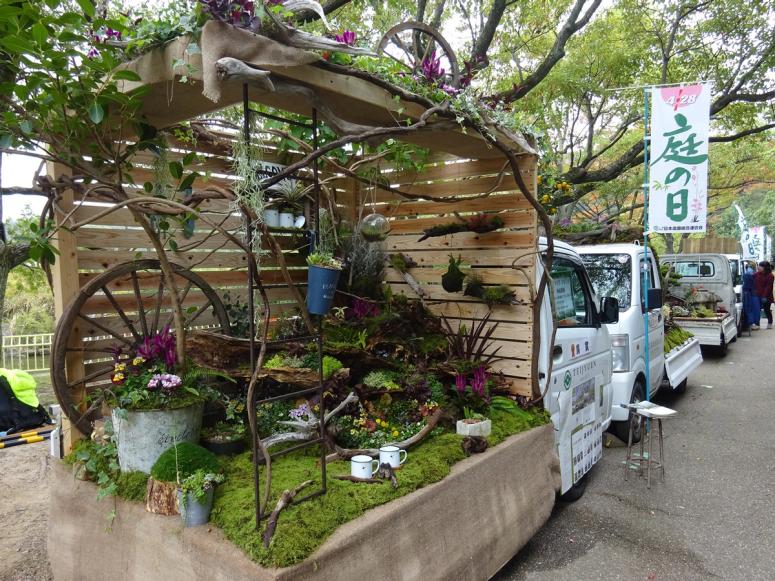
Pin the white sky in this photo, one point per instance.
(19, 170)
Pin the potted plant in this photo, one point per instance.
(195, 497)
(291, 193)
(155, 404)
(473, 424)
(227, 437)
(322, 278)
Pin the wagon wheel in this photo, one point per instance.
(119, 308)
(412, 43)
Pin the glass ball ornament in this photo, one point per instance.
(375, 227)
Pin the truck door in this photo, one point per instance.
(581, 377)
(656, 331)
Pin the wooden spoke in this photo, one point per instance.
(159, 298)
(89, 350)
(169, 320)
(89, 377)
(199, 311)
(140, 307)
(102, 327)
(121, 313)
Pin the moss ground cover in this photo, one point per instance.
(303, 528)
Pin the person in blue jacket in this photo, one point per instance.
(752, 306)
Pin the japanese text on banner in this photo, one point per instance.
(678, 185)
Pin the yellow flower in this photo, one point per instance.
(540, 179)
(395, 433)
(120, 366)
(138, 361)
(118, 377)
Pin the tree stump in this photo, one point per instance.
(161, 497)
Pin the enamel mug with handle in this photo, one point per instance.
(363, 466)
(392, 455)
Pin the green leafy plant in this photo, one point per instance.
(380, 379)
(239, 315)
(330, 366)
(199, 484)
(324, 260)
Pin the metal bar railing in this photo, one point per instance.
(27, 352)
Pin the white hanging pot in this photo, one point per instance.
(287, 219)
(272, 217)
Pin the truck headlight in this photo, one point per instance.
(620, 349)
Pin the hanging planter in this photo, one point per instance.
(375, 228)
(322, 280)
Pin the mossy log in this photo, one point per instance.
(217, 351)
(161, 497)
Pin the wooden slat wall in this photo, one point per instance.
(477, 185)
(491, 254)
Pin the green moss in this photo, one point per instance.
(186, 460)
(304, 527)
(132, 486)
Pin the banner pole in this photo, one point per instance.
(646, 265)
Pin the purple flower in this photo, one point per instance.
(93, 53)
(565, 222)
(160, 347)
(301, 412)
(347, 37)
(431, 67)
(167, 382)
(460, 382)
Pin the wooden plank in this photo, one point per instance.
(463, 240)
(215, 279)
(223, 259)
(464, 187)
(435, 292)
(508, 313)
(518, 368)
(136, 238)
(123, 217)
(433, 274)
(506, 331)
(65, 288)
(518, 219)
(491, 258)
(491, 203)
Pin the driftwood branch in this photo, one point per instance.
(347, 453)
(355, 479)
(285, 500)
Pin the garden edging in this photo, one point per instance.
(463, 527)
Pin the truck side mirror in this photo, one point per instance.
(609, 310)
(655, 299)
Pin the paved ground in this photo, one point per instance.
(713, 517)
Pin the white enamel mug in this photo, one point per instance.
(392, 455)
(363, 466)
(272, 217)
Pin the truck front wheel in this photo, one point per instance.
(622, 429)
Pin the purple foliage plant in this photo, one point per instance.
(160, 347)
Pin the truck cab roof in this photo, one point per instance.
(620, 248)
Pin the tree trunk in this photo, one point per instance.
(11, 256)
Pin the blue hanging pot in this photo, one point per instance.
(321, 288)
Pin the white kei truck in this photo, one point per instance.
(712, 274)
(617, 270)
(578, 394)
(737, 266)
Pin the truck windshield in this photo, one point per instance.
(611, 275)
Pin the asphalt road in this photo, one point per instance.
(712, 518)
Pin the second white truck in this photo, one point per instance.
(616, 270)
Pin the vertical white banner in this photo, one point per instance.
(753, 242)
(678, 152)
